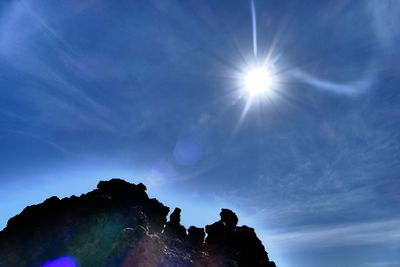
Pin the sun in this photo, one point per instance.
(258, 81)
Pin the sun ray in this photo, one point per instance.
(254, 24)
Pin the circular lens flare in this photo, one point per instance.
(258, 81)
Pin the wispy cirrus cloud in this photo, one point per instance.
(385, 264)
(28, 44)
(385, 19)
(339, 235)
(350, 88)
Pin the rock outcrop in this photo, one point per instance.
(117, 224)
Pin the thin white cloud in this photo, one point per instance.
(385, 21)
(385, 264)
(352, 234)
(55, 94)
(352, 88)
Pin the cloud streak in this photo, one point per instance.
(56, 91)
(351, 88)
(385, 264)
(352, 234)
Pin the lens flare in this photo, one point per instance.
(61, 262)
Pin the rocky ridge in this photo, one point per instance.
(117, 224)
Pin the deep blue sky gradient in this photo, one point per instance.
(149, 91)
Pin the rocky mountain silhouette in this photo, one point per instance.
(117, 224)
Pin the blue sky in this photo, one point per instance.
(151, 91)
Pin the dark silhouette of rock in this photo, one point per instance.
(240, 243)
(229, 218)
(173, 228)
(196, 235)
(117, 224)
(215, 233)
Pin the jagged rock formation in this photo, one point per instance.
(117, 224)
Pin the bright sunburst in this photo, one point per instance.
(258, 81)
(258, 78)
